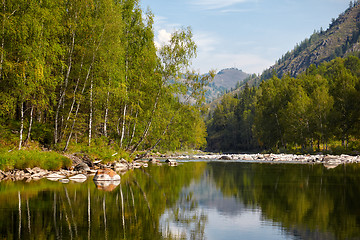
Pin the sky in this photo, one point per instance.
(246, 34)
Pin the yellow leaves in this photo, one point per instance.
(39, 72)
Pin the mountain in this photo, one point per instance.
(341, 39)
(225, 80)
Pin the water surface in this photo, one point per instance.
(195, 200)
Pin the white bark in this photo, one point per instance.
(91, 110)
(30, 124)
(63, 92)
(123, 126)
(107, 109)
(21, 124)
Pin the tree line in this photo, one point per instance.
(75, 71)
(312, 112)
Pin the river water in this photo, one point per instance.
(195, 200)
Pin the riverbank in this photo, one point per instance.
(83, 168)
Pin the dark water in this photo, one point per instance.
(197, 200)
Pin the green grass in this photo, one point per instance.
(33, 158)
(99, 149)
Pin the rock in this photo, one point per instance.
(154, 160)
(86, 159)
(106, 175)
(2, 174)
(55, 176)
(37, 170)
(78, 178)
(81, 167)
(225, 157)
(247, 158)
(120, 166)
(171, 162)
(28, 170)
(137, 165)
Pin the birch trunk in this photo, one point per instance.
(123, 126)
(21, 124)
(63, 92)
(91, 111)
(133, 130)
(77, 109)
(30, 124)
(148, 125)
(107, 109)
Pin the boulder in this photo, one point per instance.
(225, 157)
(81, 167)
(247, 158)
(87, 160)
(78, 178)
(106, 175)
(137, 164)
(54, 176)
(171, 162)
(154, 160)
(119, 166)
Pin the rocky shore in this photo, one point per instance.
(84, 168)
(280, 158)
(79, 172)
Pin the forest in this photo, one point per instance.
(88, 73)
(318, 110)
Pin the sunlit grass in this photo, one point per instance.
(33, 158)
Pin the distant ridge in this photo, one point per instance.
(224, 81)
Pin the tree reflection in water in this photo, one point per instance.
(300, 201)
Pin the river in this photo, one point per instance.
(195, 200)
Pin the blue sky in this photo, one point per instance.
(247, 34)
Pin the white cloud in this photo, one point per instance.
(217, 4)
(164, 36)
(206, 42)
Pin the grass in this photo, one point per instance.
(33, 158)
(99, 149)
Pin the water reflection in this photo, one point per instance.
(193, 201)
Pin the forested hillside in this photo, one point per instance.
(341, 39)
(84, 72)
(308, 100)
(318, 110)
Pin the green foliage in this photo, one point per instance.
(88, 73)
(303, 114)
